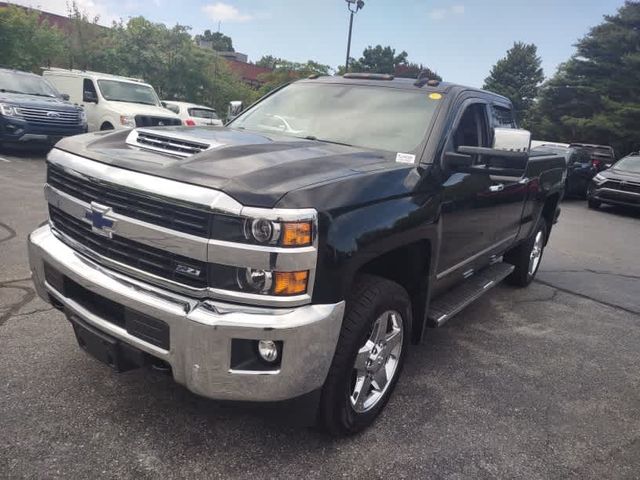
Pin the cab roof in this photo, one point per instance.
(400, 83)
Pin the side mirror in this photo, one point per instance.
(65, 97)
(507, 157)
(89, 97)
(234, 109)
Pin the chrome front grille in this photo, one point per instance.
(150, 121)
(154, 210)
(170, 145)
(50, 117)
(128, 252)
(622, 186)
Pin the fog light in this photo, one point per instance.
(268, 350)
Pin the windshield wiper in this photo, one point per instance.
(6, 90)
(40, 94)
(313, 137)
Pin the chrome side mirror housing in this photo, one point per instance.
(234, 109)
(511, 140)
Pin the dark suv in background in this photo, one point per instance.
(619, 185)
(580, 166)
(31, 109)
(602, 156)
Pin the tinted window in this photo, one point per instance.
(471, 130)
(203, 113)
(16, 82)
(503, 117)
(380, 118)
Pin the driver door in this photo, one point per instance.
(468, 213)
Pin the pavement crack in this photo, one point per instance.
(15, 280)
(551, 298)
(582, 295)
(12, 232)
(29, 294)
(596, 272)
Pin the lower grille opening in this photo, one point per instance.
(144, 327)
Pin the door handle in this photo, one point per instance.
(496, 188)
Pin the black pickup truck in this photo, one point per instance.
(297, 252)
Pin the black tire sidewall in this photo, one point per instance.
(360, 420)
(339, 416)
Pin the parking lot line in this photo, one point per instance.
(5, 160)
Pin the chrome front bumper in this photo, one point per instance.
(201, 331)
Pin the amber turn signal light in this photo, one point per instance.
(290, 283)
(296, 234)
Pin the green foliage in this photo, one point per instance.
(284, 71)
(25, 43)
(518, 77)
(165, 57)
(412, 70)
(219, 41)
(595, 96)
(377, 59)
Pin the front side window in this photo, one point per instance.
(380, 118)
(503, 117)
(117, 91)
(170, 106)
(14, 82)
(203, 113)
(471, 130)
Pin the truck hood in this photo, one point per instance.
(132, 109)
(255, 169)
(36, 101)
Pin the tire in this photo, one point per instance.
(358, 363)
(106, 126)
(522, 256)
(593, 204)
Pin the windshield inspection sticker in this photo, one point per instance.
(405, 158)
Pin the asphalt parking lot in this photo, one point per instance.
(536, 383)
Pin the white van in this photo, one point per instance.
(111, 101)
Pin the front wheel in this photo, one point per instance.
(526, 257)
(593, 204)
(369, 356)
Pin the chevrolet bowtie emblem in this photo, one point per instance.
(101, 224)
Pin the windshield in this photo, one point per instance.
(380, 118)
(203, 113)
(14, 82)
(117, 91)
(630, 164)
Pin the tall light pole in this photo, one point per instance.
(353, 6)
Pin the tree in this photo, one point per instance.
(25, 42)
(219, 41)
(595, 96)
(285, 71)
(377, 59)
(518, 77)
(413, 70)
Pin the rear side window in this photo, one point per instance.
(503, 117)
(202, 113)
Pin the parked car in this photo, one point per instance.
(544, 143)
(619, 185)
(297, 252)
(32, 110)
(192, 114)
(580, 168)
(110, 101)
(602, 156)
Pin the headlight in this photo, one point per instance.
(599, 178)
(9, 110)
(286, 234)
(256, 281)
(127, 121)
(82, 117)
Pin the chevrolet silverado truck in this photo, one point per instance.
(297, 252)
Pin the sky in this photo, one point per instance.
(459, 39)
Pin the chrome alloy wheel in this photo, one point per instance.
(377, 362)
(536, 252)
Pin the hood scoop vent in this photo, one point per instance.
(164, 143)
